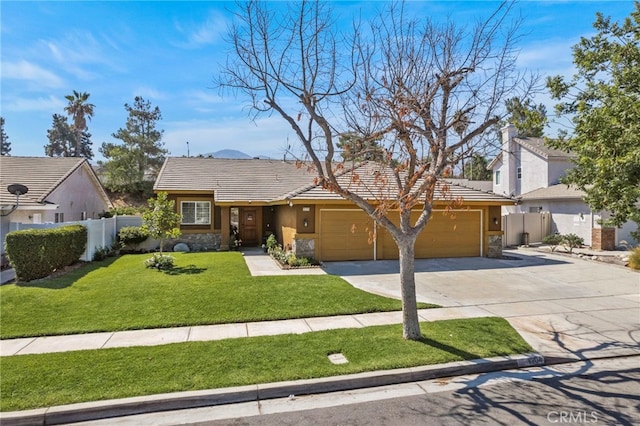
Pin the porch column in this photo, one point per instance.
(224, 224)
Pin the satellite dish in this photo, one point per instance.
(17, 189)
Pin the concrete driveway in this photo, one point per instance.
(563, 306)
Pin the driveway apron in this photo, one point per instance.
(563, 306)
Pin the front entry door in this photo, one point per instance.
(248, 227)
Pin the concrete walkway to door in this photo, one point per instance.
(562, 305)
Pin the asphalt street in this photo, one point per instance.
(602, 392)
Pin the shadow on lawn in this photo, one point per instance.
(449, 349)
(185, 270)
(67, 276)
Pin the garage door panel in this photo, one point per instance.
(345, 235)
(444, 236)
(447, 235)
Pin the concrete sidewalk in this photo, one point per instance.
(164, 336)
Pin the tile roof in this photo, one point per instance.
(232, 180)
(364, 184)
(41, 175)
(539, 146)
(559, 191)
(260, 180)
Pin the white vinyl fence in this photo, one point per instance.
(515, 225)
(100, 233)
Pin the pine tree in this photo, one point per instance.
(5, 145)
(63, 142)
(140, 156)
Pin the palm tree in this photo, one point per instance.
(79, 110)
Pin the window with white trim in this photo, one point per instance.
(195, 212)
(497, 177)
(519, 172)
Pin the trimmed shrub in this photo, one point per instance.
(132, 236)
(36, 253)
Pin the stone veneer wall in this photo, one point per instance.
(197, 242)
(495, 246)
(304, 247)
(603, 238)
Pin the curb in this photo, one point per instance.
(195, 399)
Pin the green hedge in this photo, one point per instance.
(36, 253)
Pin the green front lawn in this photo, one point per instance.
(31, 381)
(203, 288)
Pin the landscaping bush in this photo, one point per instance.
(634, 259)
(132, 236)
(102, 253)
(278, 254)
(272, 242)
(554, 240)
(569, 241)
(123, 211)
(160, 261)
(36, 253)
(572, 241)
(287, 258)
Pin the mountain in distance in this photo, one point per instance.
(231, 154)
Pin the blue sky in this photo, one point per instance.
(169, 52)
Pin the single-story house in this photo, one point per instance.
(261, 197)
(60, 189)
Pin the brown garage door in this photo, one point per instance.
(345, 235)
(457, 235)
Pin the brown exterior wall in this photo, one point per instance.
(285, 225)
(306, 219)
(195, 229)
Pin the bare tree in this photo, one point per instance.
(425, 92)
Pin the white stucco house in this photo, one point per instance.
(529, 172)
(60, 189)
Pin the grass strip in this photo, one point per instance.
(32, 381)
(203, 288)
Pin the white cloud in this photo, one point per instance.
(206, 33)
(149, 93)
(206, 97)
(32, 104)
(78, 53)
(27, 71)
(549, 58)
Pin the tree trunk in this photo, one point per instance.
(410, 322)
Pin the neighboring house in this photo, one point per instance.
(529, 172)
(264, 197)
(60, 189)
